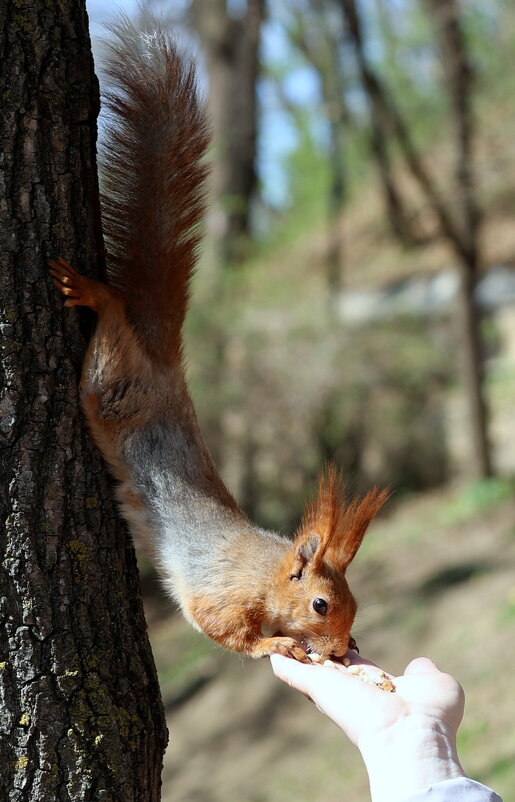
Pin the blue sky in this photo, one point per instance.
(99, 11)
(277, 134)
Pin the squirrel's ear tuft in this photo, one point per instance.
(322, 513)
(353, 522)
(340, 526)
(308, 548)
(304, 550)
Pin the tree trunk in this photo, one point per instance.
(458, 219)
(231, 44)
(458, 78)
(80, 711)
(469, 326)
(387, 121)
(314, 30)
(332, 83)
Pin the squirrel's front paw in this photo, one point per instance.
(288, 647)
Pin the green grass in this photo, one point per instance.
(476, 498)
(456, 606)
(182, 659)
(507, 609)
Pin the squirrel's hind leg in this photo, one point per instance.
(79, 290)
(113, 390)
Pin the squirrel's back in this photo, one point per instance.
(153, 179)
(249, 590)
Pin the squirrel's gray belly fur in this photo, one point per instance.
(194, 532)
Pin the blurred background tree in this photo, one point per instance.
(358, 201)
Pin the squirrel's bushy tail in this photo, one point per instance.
(153, 179)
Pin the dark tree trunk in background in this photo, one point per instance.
(458, 79)
(80, 711)
(231, 42)
(317, 35)
(386, 14)
(458, 219)
(385, 119)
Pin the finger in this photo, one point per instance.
(320, 683)
(295, 674)
(421, 665)
(351, 703)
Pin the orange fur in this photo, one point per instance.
(252, 591)
(341, 526)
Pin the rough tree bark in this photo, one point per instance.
(80, 710)
(458, 219)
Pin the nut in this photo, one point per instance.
(316, 658)
(385, 683)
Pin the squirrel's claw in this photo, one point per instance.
(288, 647)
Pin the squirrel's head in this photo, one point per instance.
(315, 605)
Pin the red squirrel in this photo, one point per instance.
(250, 590)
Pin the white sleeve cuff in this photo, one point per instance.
(460, 789)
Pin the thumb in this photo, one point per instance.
(421, 665)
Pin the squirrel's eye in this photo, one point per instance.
(320, 606)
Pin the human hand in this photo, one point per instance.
(407, 738)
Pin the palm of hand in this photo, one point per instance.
(423, 695)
